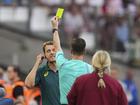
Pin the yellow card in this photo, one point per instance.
(59, 13)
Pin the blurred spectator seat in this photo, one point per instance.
(96, 3)
(132, 9)
(115, 7)
(10, 14)
(90, 40)
(21, 14)
(67, 2)
(6, 14)
(137, 1)
(122, 33)
(51, 2)
(40, 20)
(137, 50)
(73, 22)
(80, 2)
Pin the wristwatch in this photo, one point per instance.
(54, 30)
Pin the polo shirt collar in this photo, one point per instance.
(48, 68)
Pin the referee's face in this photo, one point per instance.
(50, 53)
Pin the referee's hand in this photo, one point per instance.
(55, 22)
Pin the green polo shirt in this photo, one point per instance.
(69, 70)
(48, 82)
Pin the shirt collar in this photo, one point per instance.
(48, 68)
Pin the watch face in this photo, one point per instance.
(54, 30)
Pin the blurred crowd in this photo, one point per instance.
(128, 84)
(112, 25)
(10, 80)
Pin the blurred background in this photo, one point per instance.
(112, 25)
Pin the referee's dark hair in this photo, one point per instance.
(78, 46)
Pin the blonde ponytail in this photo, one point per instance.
(101, 61)
(101, 83)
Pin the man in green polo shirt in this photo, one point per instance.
(46, 77)
(69, 70)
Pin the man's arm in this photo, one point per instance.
(56, 39)
(30, 79)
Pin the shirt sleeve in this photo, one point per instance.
(122, 97)
(38, 77)
(72, 95)
(60, 59)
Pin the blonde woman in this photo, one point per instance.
(97, 88)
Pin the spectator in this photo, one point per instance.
(13, 73)
(18, 94)
(132, 92)
(107, 34)
(3, 75)
(114, 7)
(18, 91)
(122, 34)
(114, 74)
(2, 92)
(73, 21)
(5, 101)
(34, 96)
(15, 81)
(4, 80)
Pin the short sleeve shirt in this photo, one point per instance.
(69, 70)
(48, 82)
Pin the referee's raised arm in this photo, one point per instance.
(56, 39)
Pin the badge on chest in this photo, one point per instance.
(46, 74)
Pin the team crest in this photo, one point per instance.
(46, 74)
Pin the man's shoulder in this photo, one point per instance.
(90, 67)
(6, 101)
(87, 63)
